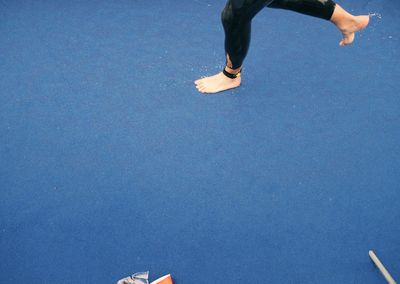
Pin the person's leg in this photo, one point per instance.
(328, 10)
(317, 8)
(236, 20)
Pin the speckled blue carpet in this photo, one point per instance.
(111, 162)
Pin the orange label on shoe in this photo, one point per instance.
(167, 279)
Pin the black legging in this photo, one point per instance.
(237, 15)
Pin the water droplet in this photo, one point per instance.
(378, 15)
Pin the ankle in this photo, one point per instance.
(341, 18)
(232, 71)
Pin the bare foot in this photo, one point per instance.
(348, 32)
(348, 24)
(217, 83)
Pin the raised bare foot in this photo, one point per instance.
(348, 32)
(348, 24)
(217, 83)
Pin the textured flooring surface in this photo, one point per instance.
(111, 162)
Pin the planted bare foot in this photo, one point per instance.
(217, 83)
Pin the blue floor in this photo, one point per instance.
(111, 162)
